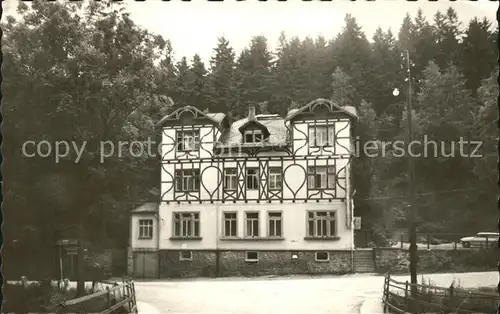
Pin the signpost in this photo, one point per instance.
(357, 223)
(70, 247)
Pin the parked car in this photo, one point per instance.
(481, 239)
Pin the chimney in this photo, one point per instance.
(251, 112)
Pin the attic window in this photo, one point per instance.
(253, 136)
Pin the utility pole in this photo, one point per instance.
(413, 227)
(411, 185)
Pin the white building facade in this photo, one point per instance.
(260, 195)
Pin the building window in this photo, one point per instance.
(188, 140)
(145, 228)
(253, 136)
(321, 177)
(321, 224)
(230, 179)
(230, 225)
(251, 256)
(275, 178)
(321, 135)
(322, 256)
(252, 179)
(185, 255)
(187, 180)
(252, 222)
(186, 225)
(275, 224)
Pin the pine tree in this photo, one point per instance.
(221, 78)
(386, 70)
(424, 47)
(182, 92)
(197, 83)
(351, 51)
(405, 34)
(253, 74)
(479, 52)
(448, 35)
(342, 90)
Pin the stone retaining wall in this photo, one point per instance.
(437, 260)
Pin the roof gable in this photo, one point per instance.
(319, 106)
(189, 115)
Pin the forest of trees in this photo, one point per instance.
(91, 74)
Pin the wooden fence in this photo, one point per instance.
(450, 241)
(120, 298)
(397, 298)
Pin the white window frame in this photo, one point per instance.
(254, 260)
(232, 221)
(255, 179)
(188, 179)
(322, 222)
(272, 221)
(230, 179)
(145, 228)
(188, 140)
(326, 135)
(252, 224)
(275, 178)
(321, 177)
(183, 258)
(322, 260)
(256, 136)
(185, 222)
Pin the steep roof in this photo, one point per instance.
(274, 124)
(146, 208)
(218, 117)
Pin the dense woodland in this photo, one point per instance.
(90, 74)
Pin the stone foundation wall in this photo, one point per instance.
(430, 261)
(233, 263)
(202, 265)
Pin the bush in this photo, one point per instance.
(36, 297)
(41, 297)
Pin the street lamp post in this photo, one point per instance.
(411, 177)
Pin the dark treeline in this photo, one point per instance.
(90, 74)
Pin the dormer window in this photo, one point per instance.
(253, 136)
(188, 140)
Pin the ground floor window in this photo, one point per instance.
(186, 225)
(145, 228)
(252, 222)
(321, 224)
(230, 224)
(275, 224)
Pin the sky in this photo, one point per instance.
(193, 27)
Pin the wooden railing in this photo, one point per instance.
(120, 298)
(397, 298)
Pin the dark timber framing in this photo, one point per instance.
(296, 152)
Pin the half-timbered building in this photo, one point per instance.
(261, 195)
